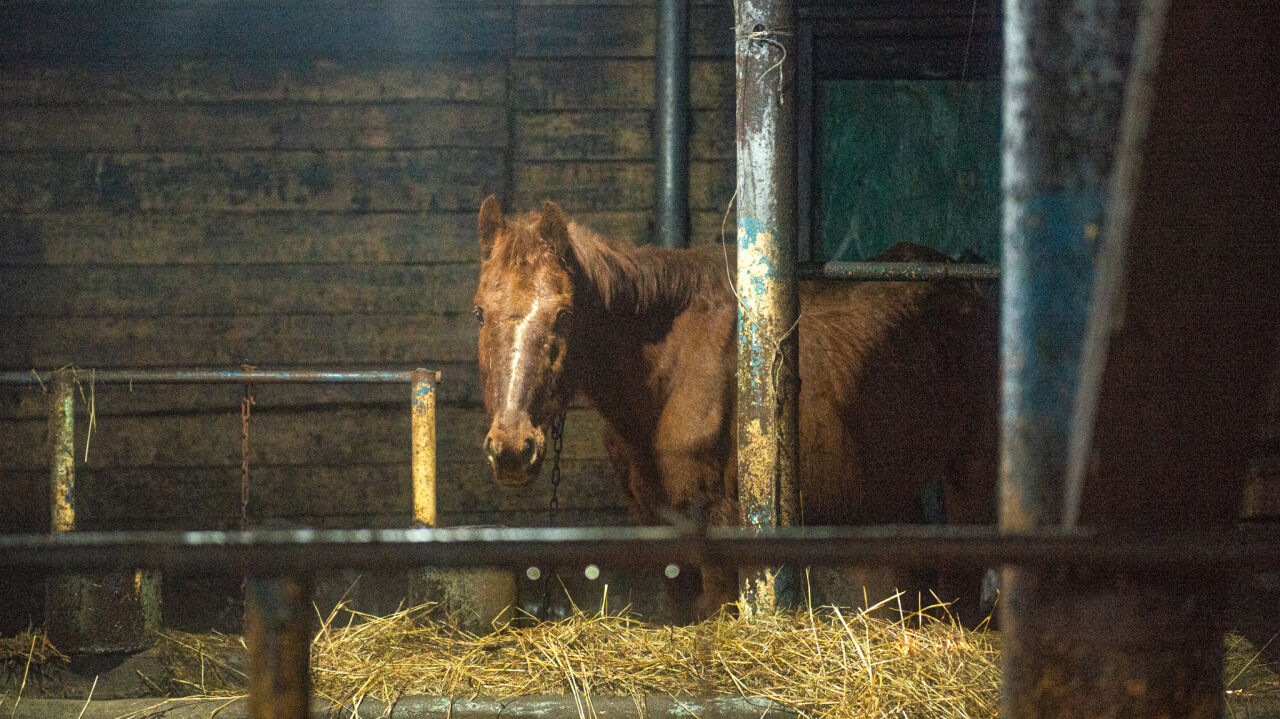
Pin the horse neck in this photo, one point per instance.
(632, 296)
(640, 282)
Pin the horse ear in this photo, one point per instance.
(553, 229)
(491, 221)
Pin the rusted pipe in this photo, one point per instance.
(422, 395)
(1065, 67)
(225, 377)
(62, 461)
(1064, 71)
(898, 271)
(97, 613)
(768, 350)
(278, 636)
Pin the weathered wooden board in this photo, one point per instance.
(558, 31)
(292, 28)
(363, 495)
(608, 3)
(101, 237)
(459, 387)
(205, 184)
(876, 53)
(284, 125)
(446, 180)
(636, 226)
(296, 436)
(241, 290)
(291, 436)
(279, 341)
(587, 186)
(252, 79)
(615, 135)
(835, 10)
(612, 84)
(104, 237)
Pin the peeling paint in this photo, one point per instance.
(62, 463)
(768, 387)
(423, 422)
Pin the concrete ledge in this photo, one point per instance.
(535, 707)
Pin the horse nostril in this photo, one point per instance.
(489, 452)
(530, 451)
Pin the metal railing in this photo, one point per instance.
(278, 564)
(898, 271)
(114, 612)
(60, 383)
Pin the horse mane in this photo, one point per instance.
(637, 280)
(628, 279)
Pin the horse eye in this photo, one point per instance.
(479, 313)
(562, 317)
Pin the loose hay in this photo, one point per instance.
(825, 663)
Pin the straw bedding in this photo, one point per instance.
(820, 663)
(824, 663)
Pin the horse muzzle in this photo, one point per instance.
(514, 464)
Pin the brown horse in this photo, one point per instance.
(898, 380)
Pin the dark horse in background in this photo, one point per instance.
(898, 384)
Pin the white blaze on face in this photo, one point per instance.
(515, 380)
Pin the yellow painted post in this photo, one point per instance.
(89, 614)
(62, 460)
(475, 599)
(423, 398)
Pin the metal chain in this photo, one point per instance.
(557, 446)
(246, 403)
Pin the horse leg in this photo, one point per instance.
(970, 499)
(696, 491)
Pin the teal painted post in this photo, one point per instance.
(768, 350)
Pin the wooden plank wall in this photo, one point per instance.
(294, 185)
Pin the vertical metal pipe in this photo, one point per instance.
(1105, 300)
(89, 614)
(66, 597)
(423, 429)
(1065, 66)
(671, 126)
(1064, 71)
(278, 636)
(768, 351)
(475, 599)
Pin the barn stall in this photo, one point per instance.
(193, 185)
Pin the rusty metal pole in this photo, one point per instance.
(62, 460)
(1177, 368)
(768, 350)
(278, 636)
(1065, 67)
(422, 393)
(1081, 642)
(89, 614)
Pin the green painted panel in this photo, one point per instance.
(908, 160)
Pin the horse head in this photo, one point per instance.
(524, 305)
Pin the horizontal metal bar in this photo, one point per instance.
(270, 551)
(223, 376)
(898, 271)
